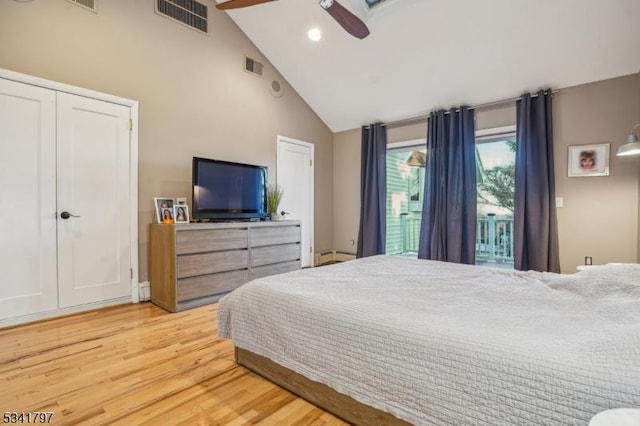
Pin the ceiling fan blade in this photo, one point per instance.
(350, 22)
(237, 4)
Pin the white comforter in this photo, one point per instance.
(447, 344)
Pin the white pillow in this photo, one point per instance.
(617, 417)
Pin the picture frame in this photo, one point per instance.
(181, 213)
(588, 160)
(167, 216)
(162, 203)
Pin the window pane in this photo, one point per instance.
(496, 196)
(405, 184)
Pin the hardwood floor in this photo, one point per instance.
(137, 364)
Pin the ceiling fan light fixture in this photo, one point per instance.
(632, 147)
(347, 20)
(315, 34)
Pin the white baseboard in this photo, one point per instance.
(62, 312)
(144, 291)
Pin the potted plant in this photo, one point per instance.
(274, 196)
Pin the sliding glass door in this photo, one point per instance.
(495, 162)
(495, 159)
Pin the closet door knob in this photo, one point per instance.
(67, 215)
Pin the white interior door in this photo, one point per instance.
(27, 191)
(295, 177)
(93, 185)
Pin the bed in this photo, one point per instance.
(434, 343)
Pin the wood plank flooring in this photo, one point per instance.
(139, 365)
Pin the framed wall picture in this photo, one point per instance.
(589, 160)
(181, 213)
(163, 203)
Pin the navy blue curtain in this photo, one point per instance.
(373, 190)
(535, 223)
(448, 229)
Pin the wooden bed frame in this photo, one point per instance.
(316, 393)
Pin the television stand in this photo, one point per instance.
(194, 264)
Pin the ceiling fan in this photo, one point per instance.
(350, 22)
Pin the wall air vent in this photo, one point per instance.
(187, 12)
(252, 66)
(277, 89)
(91, 5)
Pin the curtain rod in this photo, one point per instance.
(475, 107)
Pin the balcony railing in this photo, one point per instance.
(411, 232)
(494, 237)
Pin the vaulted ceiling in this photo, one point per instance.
(428, 54)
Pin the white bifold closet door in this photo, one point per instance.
(28, 268)
(94, 248)
(64, 185)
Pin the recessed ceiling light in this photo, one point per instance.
(314, 34)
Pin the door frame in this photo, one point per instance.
(394, 146)
(133, 156)
(311, 147)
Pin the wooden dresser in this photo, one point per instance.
(195, 264)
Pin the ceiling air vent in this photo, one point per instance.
(91, 5)
(252, 66)
(187, 12)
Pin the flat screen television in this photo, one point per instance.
(223, 190)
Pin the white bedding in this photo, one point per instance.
(447, 344)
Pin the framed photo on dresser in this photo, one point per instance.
(181, 213)
(163, 203)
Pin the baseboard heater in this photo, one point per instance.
(332, 256)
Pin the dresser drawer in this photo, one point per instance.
(274, 254)
(208, 263)
(209, 285)
(278, 268)
(201, 241)
(275, 235)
